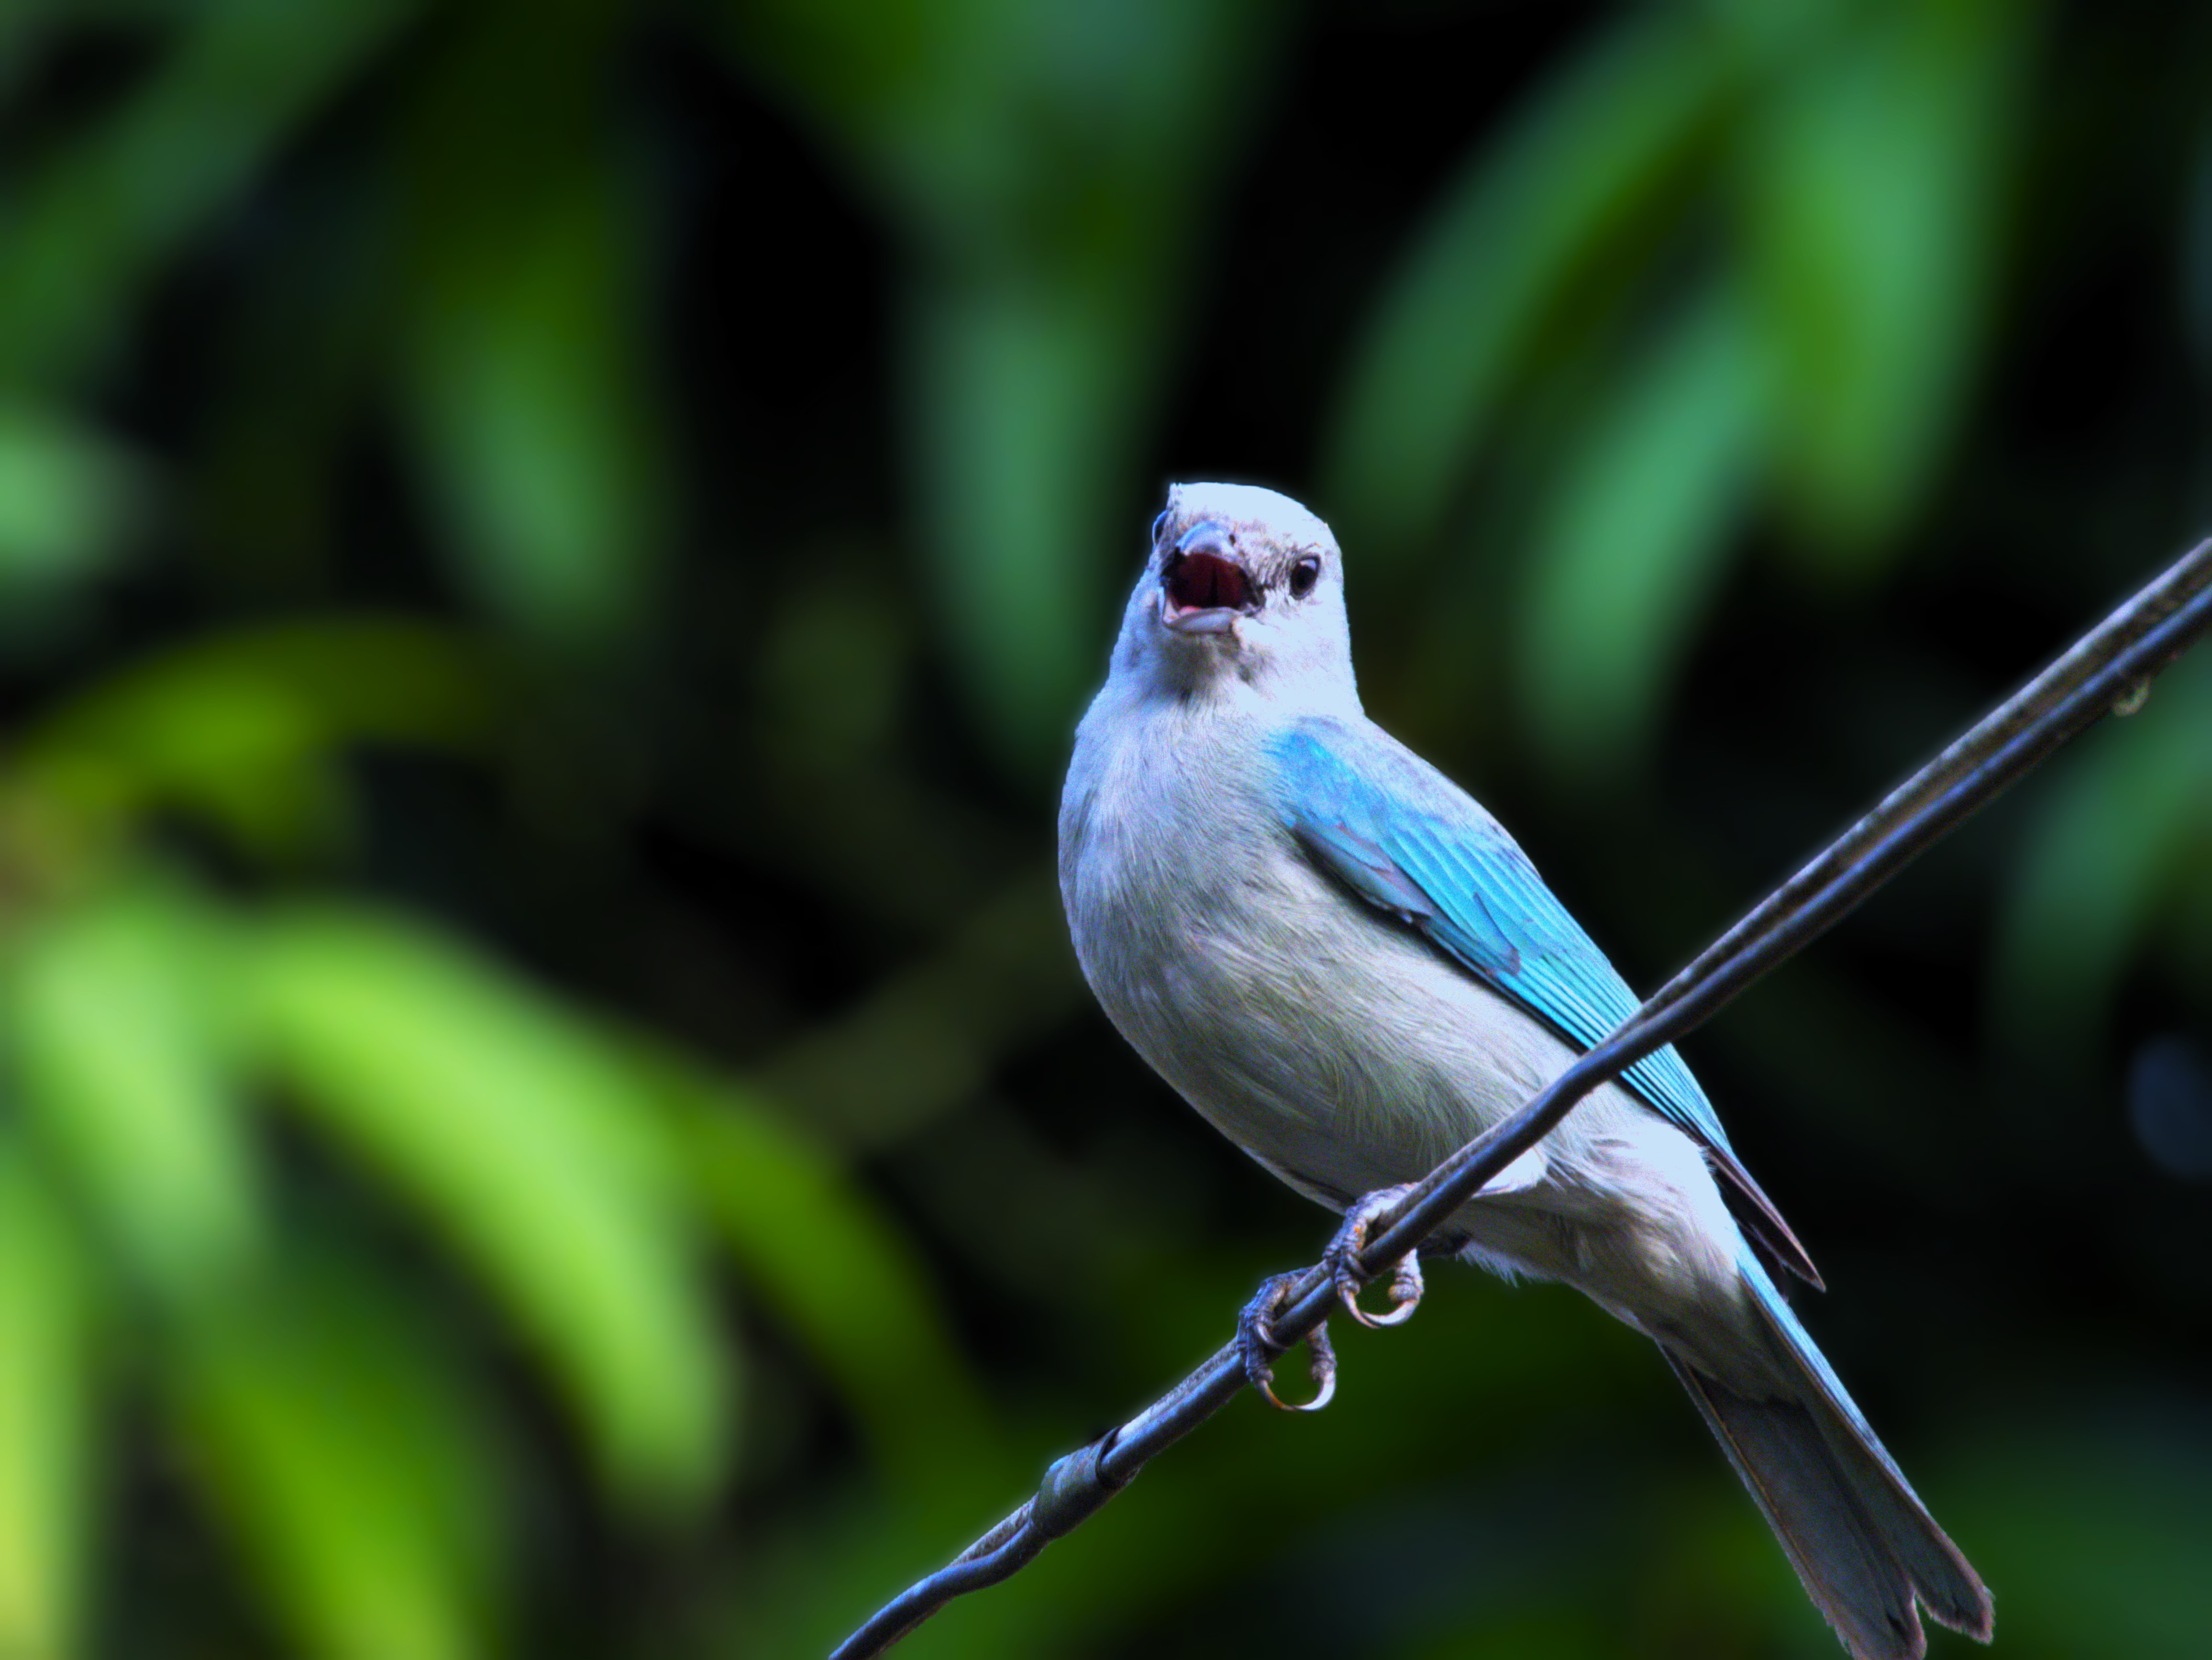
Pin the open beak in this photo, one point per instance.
(1204, 588)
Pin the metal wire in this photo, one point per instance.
(2107, 668)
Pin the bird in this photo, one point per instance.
(1347, 965)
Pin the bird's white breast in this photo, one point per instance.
(1321, 1037)
(1330, 1041)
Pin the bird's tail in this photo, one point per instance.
(1861, 1541)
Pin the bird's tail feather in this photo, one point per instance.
(1860, 1539)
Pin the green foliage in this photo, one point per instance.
(49, 1318)
(1629, 557)
(348, 1466)
(521, 382)
(544, 1105)
(1843, 171)
(1049, 163)
(1873, 178)
(834, 1271)
(90, 230)
(246, 733)
(67, 497)
(527, 1150)
(1532, 242)
(120, 1005)
(584, 1182)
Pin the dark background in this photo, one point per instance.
(549, 556)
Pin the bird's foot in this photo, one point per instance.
(1342, 1260)
(1257, 1343)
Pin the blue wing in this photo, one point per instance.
(1409, 842)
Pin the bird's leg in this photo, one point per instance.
(1257, 1343)
(1342, 1259)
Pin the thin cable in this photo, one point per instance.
(2107, 668)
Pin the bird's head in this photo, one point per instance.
(1242, 587)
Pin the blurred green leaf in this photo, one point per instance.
(1028, 389)
(834, 1270)
(82, 238)
(49, 1401)
(537, 1155)
(1633, 540)
(350, 1467)
(244, 728)
(1049, 163)
(1554, 205)
(1765, 34)
(902, 85)
(2115, 834)
(522, 372)
(1005, 132)
(67, 497)
(532, 429)
(1873, 176)
(117, 1011)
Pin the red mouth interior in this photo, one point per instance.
(1205, 581)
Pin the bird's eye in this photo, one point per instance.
(1304, 576)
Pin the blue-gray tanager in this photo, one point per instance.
(1348, 966)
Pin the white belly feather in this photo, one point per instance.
(1344, 1054)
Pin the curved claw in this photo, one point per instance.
(1406, 1288)
(1402, 1309)
(1256, 1342)
(1344, 1251)
(1323, 1373)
